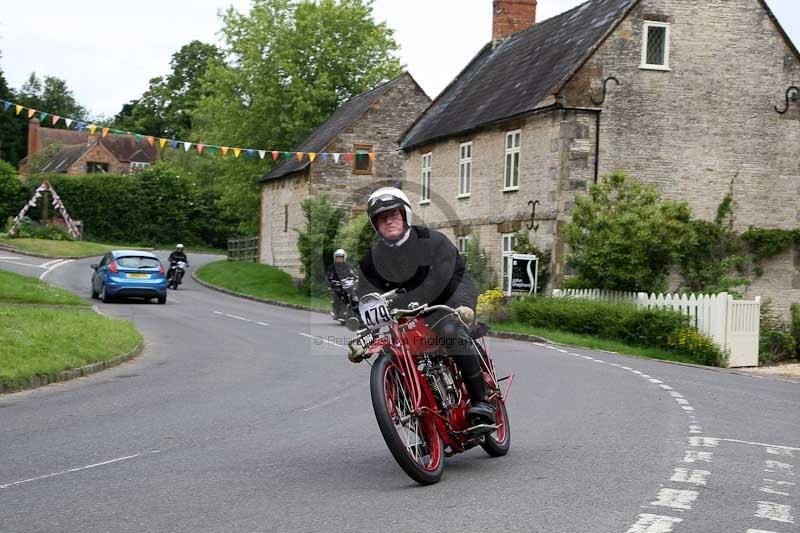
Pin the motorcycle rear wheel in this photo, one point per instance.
(413, 441)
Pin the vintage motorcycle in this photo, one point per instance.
(418, 395)
(342, 291)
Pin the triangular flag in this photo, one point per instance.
(287, 155)
(262, 154)
(105, 131)
(372, 156)
(92, 127)
(336, 156)
(151, 140)
(312, 156)
(200, 148)
(6, 105)
(299, 155)
(348, 156)
(138, 138)
(248, 152)
(173, 144)
(19, 109)
(55, 119)
(43, 115)
(236, 152)
(324, 156)
(116, 133)
(186, 146)
(212, 150)
(80, 125)
(68, 122)
(31, 112)
(225, 150)
(275, 156)
(162, 142)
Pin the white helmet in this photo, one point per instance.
(339, 253)
(387, 198)
(179, 247)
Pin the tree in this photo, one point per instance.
(11, 145)
(476, 262)
(166, 108)
(13, 192)
(357, 237)
(316, 242)
(624, 237)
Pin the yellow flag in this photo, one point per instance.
(92, 127)
(237, 151)
(162, 143)
(19, 109)
(299, 156)
(31, 112)
(312, 156)
(105, 132)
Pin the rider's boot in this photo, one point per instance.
(480, 411)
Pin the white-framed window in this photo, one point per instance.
(655, 45)
(462, 242)
(509, 243)
(137, 166)
(425, 178)
(511, 172)
(465, 170)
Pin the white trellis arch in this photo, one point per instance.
(57, 204)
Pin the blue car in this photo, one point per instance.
(125, 273)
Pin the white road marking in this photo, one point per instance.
(695, 477)
(645, 376)
(775, 511)
(307, 409)
(777, 466)
(54, 261)
(675, 498)
(629, 368)
(682, 401)
(241, 318)
(71, 470)
(665, 387)
(779, 451)
(693, 456)
(654, 380)
(759, 531)
(653, 523)
(704, 442)
(636, 372)
(54, 266)
(15, 262)
(675, 394)
(695, 429)
(687, 407)
(775, 447)
(772, 486)
(320, 339)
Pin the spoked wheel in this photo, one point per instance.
(413, 440)
(497, 444)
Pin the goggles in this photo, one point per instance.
(385, 202)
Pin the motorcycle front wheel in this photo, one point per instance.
(413, 440)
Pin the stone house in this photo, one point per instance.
(370, 123)
(82, 152)
(678, 93)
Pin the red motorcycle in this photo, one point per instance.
(418, 395)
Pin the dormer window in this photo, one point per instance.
(655, 45)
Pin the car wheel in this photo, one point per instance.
(162, 299)
(105, 296)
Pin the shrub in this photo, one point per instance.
(356, 238)
(776, 342)
(659, 328)
(316, 242)
(477, 264)
(493, 306)
(29, 229)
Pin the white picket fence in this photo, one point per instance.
(733, 324)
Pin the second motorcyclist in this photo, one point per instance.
(174, 258)
(340, 274)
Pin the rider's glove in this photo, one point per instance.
(466, 314)
(356, 353)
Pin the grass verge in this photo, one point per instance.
(37, 341)
(592, 343)
(24, 290)
(261, 281)
(83, 248)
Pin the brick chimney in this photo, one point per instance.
(511, 16)
(34, 139)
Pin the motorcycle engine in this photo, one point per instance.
(441, 381)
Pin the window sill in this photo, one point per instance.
(655, 67)
(425, 202)
(511, 189)
(463, 196)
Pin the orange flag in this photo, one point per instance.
(151, 140)
(31, 112)
(299, 155)
(105, 132)
(225, 150)
(372, 156)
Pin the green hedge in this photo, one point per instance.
(153, 206)
(659, 328)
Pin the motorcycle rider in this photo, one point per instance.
(427, 264)
(174, 258)
(338, 271)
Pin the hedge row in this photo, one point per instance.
(151, 207)
(659, 328)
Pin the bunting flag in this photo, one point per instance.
(250, 153)
(56, 202)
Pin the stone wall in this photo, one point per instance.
(280, 198)
(99, 154)
(709, 123)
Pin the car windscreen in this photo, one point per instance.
(131, 261)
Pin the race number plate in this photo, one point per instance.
(374, 312)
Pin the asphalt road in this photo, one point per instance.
(236, 419)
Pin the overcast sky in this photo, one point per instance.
(108, 50)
